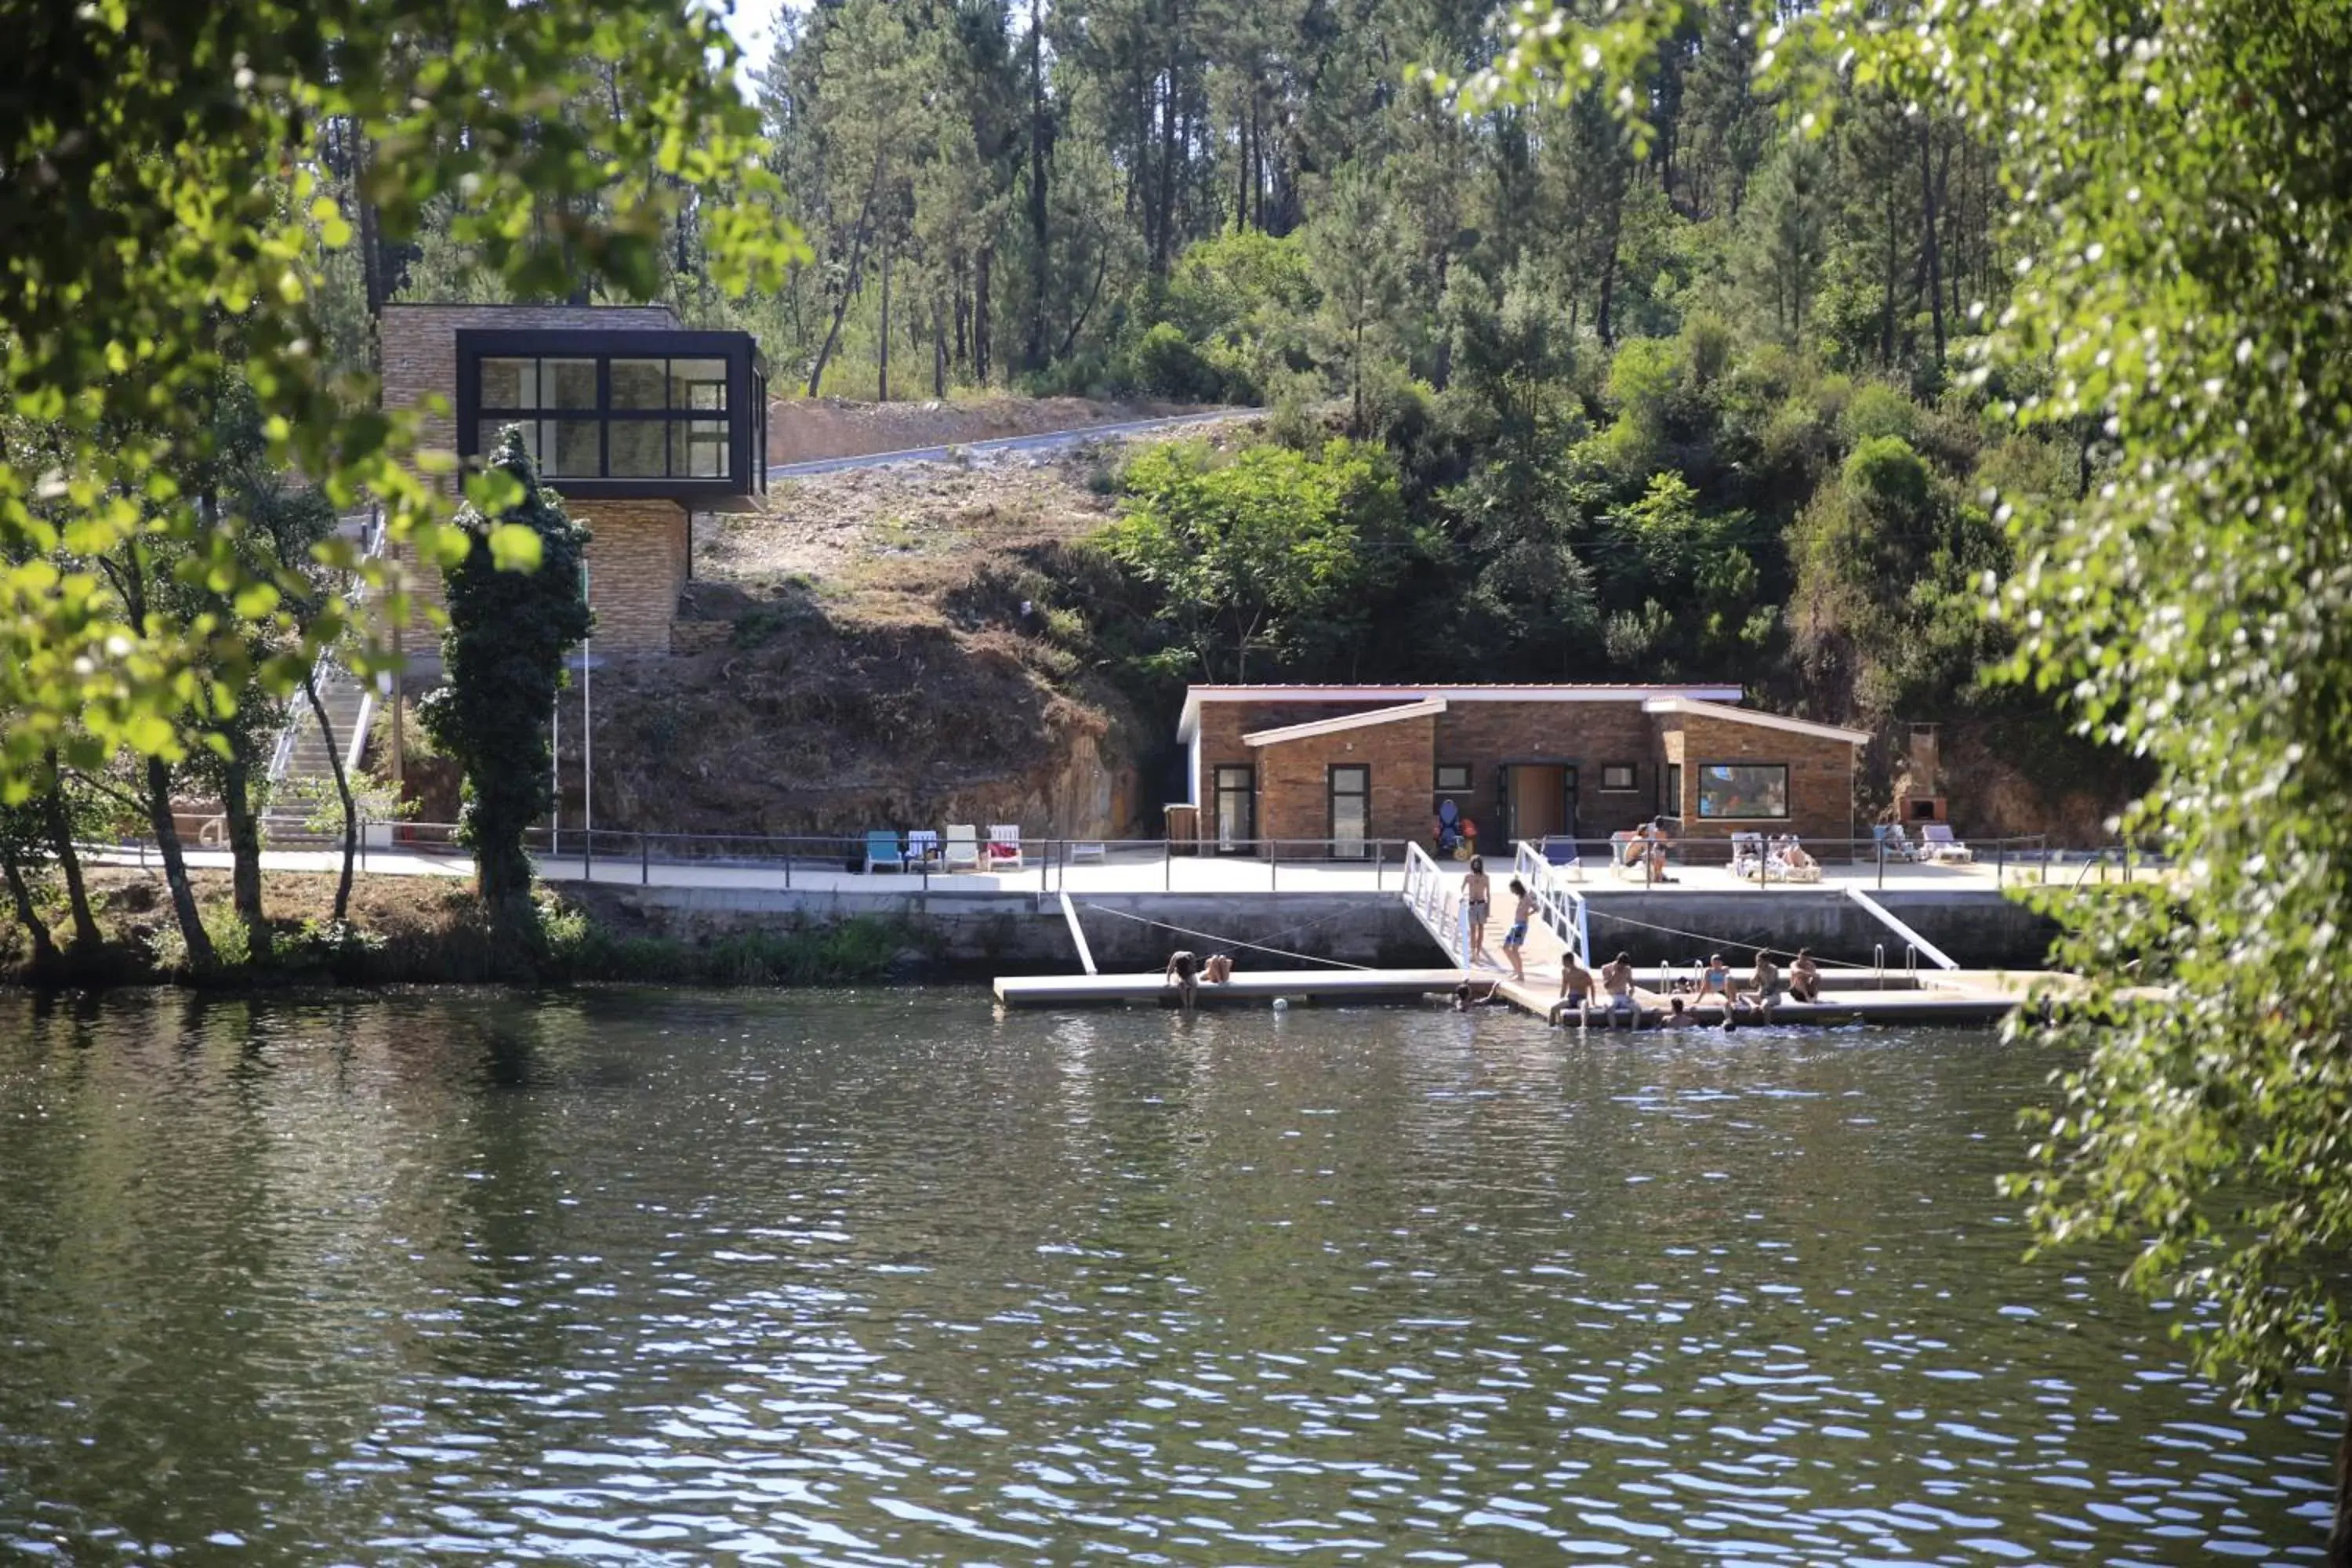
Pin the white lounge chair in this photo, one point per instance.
(962, 851)
(1937, 844)
(1003, 847)
(1894, 843)
(1089, 851)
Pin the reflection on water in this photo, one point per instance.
(650, 1278)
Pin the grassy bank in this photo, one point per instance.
(431, 930)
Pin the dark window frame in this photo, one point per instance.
(746, 415)
(1671, 783)
(1469, 778)
(1786, 803)
(1633, 784)
(1218, 790)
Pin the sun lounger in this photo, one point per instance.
(1746, 853)
(1003, 847)
(962, 851)
(922, 847)
(1939, 845)
(1089, 852)
(882, 850)
(1893, 841)
(1562, 853)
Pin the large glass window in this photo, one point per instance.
(621, 418)
(1743, 790)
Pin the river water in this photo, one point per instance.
(656, 1278)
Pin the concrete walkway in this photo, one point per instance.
(1131, 873)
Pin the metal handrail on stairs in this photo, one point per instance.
(1561, 906)
(372, 533)
(1429, 893)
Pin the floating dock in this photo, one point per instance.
(1953, 996)
(1258, 987)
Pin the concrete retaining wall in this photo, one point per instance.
(983, 935)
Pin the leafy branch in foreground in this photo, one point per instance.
(2190, 301)
(166, 233)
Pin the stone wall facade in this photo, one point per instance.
(419, 350)
(1293, 780)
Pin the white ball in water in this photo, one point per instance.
(1282, 1004)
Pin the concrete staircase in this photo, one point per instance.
(302, 760)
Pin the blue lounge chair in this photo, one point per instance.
(882, 850)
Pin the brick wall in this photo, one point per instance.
(1293, 780)
(419, 348)
(636, 567)
(1588, 736)
(1820, 776)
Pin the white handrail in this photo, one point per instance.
(1428, 893)
(371, 536)
(1561, 906)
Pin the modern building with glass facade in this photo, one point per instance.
(638, 423)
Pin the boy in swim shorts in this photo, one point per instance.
(1517, 937)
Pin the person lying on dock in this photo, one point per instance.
(1218, 969)
(1617, 979)
(1575, 991)
(1184, 973)
(1805, 977)
(1515, 938)
(1764, 985)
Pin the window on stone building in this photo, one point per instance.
(1744, 791)
(1617, 777)
(1452, 776)
(1672, 803)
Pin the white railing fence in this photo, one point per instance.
(1561, 905)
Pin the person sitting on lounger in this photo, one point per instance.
(1184, 974)
(1805, 977)
(1617, 980)
(1796, 857)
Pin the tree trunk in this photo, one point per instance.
(343, 790)
(45, 947)
(882, 391)
(245, 854)
(1356, 376)
(1602, 322)
(856, 262)
(982, 266)
(200, 956)
(86, 933)
(1241, 166)
(1935, 259)
(1163, 235)
(1887, 311)
(1032, 348)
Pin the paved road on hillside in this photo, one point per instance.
(1045, 441)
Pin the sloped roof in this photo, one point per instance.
(1428, 710)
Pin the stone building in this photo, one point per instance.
(1351, 764)
(636, 422)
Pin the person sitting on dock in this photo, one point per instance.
(1715, 980)
(1764, 985)
(1515, 940)
(1575, 991)
(1217, 969)
(1805, 977)
(1617, 979)
(1184, 974)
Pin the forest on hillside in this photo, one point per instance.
(1694, 400)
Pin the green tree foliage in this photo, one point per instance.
(2188, 170)
(1272, 552)
(169, 209)
(503, 655)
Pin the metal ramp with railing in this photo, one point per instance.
(1559, 927)
(303, 751)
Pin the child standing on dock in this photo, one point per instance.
(1474, 900)
(1515, 938)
